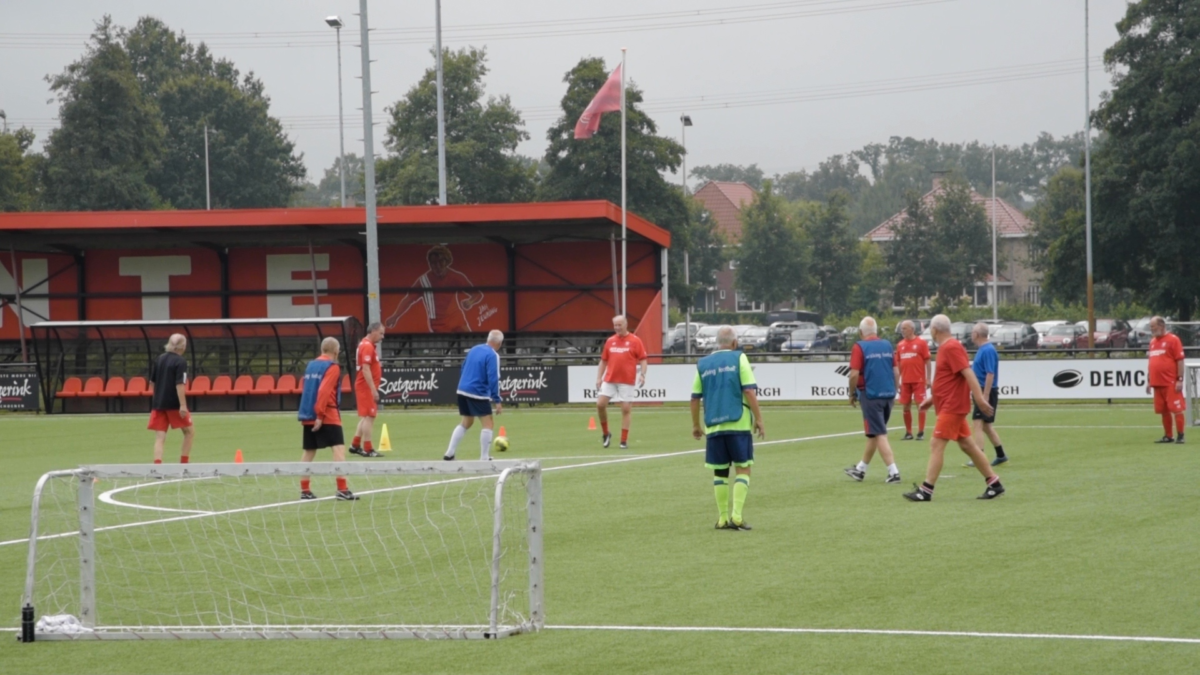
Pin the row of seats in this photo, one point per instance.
(201, 385)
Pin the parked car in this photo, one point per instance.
(676, 343)
(806, 340)
(754, 339)
(1064, 336)
(1109, 332)
(835, 338)
(849, 337)
(1015, 336)
(793, 316)
(781, 332)
(1139, 332)
(696, 325)
(706, 339)
(1043, 327)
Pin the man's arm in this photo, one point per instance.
(752, 398)
(402, 308)
(697, 430)
(370, 380)
(976, 391)
(326, 394)
(896, 374)
(928, 371)
(494, 385)
(1179, 367)
(643, 366)
(853, 386)
(181, 390)
(987, 385)
(600, 373)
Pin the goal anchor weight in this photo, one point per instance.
(27, 623)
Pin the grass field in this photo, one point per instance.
(1097, 536)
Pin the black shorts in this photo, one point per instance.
(994, 401)
(327, 436)
(474, 407)
(876, 412)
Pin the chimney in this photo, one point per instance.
(938, 177)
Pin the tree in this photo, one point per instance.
(941, 248)
(836, 256)
(872, 280)
(836, 173)
(329, 191)
(18, 171)
(772, 258)
(751, 175)
(706, 251)
(108, 144)
(1059, 238)
(481, 140)
(1147, 229)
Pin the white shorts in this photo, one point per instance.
(621, 393)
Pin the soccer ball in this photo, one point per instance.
(500, 444)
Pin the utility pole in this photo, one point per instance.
(373, 312)
(336, 24)
(207, 185)
(441, 110)
(1087, 170)
(685, 121)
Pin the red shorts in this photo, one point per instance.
(952, 427)
(367, 407)
(160, 420)
(1167, 400)
(912, 391)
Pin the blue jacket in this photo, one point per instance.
(481, 374)
(987, 360)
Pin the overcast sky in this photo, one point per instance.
(822, 76)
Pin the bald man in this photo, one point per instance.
(322, 421)
(622, 371)
(168, 407)
(1166, 378)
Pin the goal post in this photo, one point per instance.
(220, 551)
(1191, 380)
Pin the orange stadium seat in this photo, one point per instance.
(221, 386)
(71, 388)
(286, 385)
(242, 386)
(113, 388)
(264, 385)
(92, 388)
(346, 384)
(137, 386)
(199, 386)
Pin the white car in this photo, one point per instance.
(706, 339)
(1043, 327)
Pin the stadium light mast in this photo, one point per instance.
(995, 271)
(1087, 171)
(441, 109)
(207, 185)
(373, 313)
(685, 121)
(336, 24)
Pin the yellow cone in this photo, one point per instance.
(385, 442)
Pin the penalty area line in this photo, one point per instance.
(880, 631)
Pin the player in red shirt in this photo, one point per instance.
(623, 356)
(366, 390)
(320, 417)
(913, 361)
(1166, 378)
(954, 384)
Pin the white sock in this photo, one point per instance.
(862, 466)
(893, 469)
(455, 439)
(485, 444)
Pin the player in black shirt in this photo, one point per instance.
(168, 408)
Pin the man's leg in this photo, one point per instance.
(721, 492)
(626, 416)
(602, 413)
(859, 471)
(485, 438)
(741, 487)
(356, 442)
(367, 429)
(907, 415)
(885, 451)
(185, 448)
(460, 431)
(994, 488)
(160, 438)
(343, 488)
(305, 484)
(989, 430)
(937, 452)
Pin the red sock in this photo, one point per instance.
(624, 435)
(158, 461)
(604, 426)
(183, 459)
(1166, 418)
(367, 446)
(341, 483)
(921, 421)
(304, 483)
(354, 443)
(1179, 423)
(908, 421)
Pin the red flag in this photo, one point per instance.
(608, 99)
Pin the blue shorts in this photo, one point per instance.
(736, 448)
(474, 407)
(877, 412)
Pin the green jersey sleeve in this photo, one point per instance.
(745, 372)
(697, 387)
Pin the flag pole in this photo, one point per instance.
(624, 242)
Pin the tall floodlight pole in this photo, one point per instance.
(685, 121)
(373, 312)
(336, 24)
(207, 186)
(1087, 171)
(995, 271)
(624, 242)
(441, 110)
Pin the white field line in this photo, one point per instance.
(1081, 426)
(260, 507)
(872, 631)
(107, 497)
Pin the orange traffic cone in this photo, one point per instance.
(237, 456)
(591, 424)
(502, 431)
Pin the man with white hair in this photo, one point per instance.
(1166, 378)
(622, 363)
(320, 415)
(987, 370)
(478, 389)
(168, 406)
(954, 384)
(912, 362)
(725, 382)
(873, 377)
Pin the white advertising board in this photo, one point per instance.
(1078, 379)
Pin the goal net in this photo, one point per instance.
(1191, 379)
(430, 550)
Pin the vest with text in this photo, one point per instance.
(722, 384)
(877, 368)
(314, 374)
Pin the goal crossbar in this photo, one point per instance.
(511, 532)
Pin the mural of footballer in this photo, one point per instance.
(445, 312)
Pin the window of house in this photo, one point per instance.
(1033, 294)
(746, 305)
(722, 294)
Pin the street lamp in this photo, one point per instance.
(686, 121)
(1087, 171)
(336, 24)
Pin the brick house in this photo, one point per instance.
(724, 200)
(1019, 281)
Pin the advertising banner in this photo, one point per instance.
(533, 384)
(19, 390)
(412, 386)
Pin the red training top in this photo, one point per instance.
(951, 391)
(367, 357)
(1165, 351)
(326, 406)
(911, 357)
(622, 355)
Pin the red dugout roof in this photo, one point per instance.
(543, 221)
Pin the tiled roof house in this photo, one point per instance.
(725, 201)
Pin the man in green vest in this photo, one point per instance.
(725, 381)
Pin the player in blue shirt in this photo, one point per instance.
(478, 389)
(987, 371)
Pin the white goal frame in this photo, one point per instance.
(1191, 379)
(85, 477)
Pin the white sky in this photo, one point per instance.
(872, 44)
